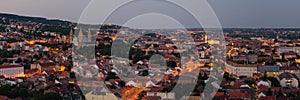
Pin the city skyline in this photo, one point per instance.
(231, 13)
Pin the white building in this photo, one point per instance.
(11, 70)
(242, 69)
(288, 49)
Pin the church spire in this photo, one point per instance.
(89, 36)
(71, 35)
(80, 35)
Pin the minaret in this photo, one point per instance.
(89, 36)
(80, 35)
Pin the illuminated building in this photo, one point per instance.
(71, 35)
(11, 70)
(270, 70)
(242, 69)
(206, 38)
(213, 42)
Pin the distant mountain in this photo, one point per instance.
(35, 19)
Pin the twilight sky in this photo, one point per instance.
(231, 13)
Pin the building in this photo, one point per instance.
(289, 49)
(11, 70)
(163, 95)
(100, 95)
(288, 80)
(289, 55)
(80, 36)
(271, 70)
(252, 58)
(242, 69)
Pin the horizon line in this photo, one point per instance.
(74, 22)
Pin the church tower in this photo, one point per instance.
(90, 36)
(80, 35)
(206, 38)
(71, 35)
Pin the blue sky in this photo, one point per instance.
(231, 13)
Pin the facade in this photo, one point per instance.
(271, 70)
(288, 49)
(242, 69)
(11, 70)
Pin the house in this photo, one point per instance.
(264, 83)
(261, 94)
(130, 83)
(35, 66)
(252, 58)
(151, 83)
(290, 69)
(288, 80)
(47, 65)
(289, 55)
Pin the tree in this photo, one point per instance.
(203, 77)
(269, 92)
(171, 64)
(72, 75)
(122, 84)
(111, 75)
(52, 77)
(64, 47)
(19, 60)
(48, 96)
(250, 82)
(145, 73)
(274, 81)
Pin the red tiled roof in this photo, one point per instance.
(10, 66)
(268, 98)
(262, 87)
(290, 53)
(219, 94)
(268, 51)
(238, 95)
(289, 68)
(31, 71)
(3, 97)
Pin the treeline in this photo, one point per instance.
(15, 91)
(35, 19)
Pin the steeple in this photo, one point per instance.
(89, 36)
(80, 35)
(71, 35)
